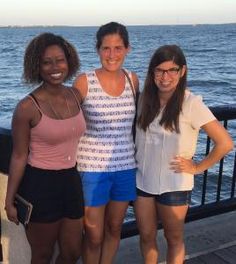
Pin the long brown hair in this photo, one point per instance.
(150, 102)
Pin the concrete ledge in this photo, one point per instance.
(16, 249)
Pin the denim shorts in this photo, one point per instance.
(176, 198)
(101, 187)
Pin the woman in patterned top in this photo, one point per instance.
(106, 151)
(168, 126)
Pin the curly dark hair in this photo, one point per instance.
(35, 50)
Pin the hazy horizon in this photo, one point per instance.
(143, 25)
(97, 12)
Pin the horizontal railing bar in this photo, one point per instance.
(194, 213)
(222, 113)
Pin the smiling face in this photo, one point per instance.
(53, 65)
(112, 52)
(167, 76)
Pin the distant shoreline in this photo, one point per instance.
(84, 26)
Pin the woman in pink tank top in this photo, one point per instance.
(46, 128)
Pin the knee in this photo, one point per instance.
(147, 237)
(95, 242)
(173, 239)
(113, 228)
(70, 256)
(42, 255)
(93, 238)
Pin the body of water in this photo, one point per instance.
(210, 51)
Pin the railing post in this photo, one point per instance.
(5, 149)
(233, 178)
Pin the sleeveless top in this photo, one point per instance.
(107, 144)
(53, 142)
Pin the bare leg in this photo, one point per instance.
(173, 218)
(42, 237)
(145, 212)
(94, 229)
(115, 213)
(70, 241)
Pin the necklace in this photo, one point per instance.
(56, 113)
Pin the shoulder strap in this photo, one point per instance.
(130, 83)
(76, 97)
(33, 98)
(136, 96)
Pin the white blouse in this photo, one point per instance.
(157, 147)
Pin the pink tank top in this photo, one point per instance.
(53, 142)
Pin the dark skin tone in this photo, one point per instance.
(68, 232)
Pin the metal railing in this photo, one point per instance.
(223, 113)
(220, 205)
(5, 149)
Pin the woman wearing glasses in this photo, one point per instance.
(168, 124)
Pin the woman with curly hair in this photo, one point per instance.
(46, 127)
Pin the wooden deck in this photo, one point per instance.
(220, 256)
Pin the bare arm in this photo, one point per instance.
(20, 134)
(223, 143)
(81, 85)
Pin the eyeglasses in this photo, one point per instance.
(172, 72)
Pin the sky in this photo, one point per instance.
(128, 12)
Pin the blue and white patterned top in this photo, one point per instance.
(107, 144)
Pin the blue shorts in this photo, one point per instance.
(176, 198)
(101, 187)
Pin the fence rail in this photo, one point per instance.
(224, 113)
